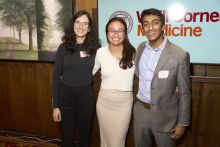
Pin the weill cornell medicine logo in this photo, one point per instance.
(126, 17)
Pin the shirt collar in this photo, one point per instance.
(161, 47)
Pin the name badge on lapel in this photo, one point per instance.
(163, 74)
(83, 54)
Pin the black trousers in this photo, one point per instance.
(77, 107)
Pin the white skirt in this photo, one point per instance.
(114, 110)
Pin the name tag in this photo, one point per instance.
(83, 54)
(163, 74)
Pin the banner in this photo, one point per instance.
(192, 25)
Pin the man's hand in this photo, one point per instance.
(56, 115)
(177, 132)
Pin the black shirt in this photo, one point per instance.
(71, 69)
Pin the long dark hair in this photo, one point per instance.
(129, 51)
(90, 44)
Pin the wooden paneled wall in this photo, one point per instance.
(87, 5)
(205, 128)
(25, 99)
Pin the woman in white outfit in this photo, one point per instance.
(115, 100)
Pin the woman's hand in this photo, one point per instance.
(56, 115)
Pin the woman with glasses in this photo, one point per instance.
(73, 99)
(114, 104)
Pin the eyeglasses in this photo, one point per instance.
(113, 31)
(83, 24)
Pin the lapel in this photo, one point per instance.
(138, 56)
(165, 55)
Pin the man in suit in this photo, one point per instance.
(160, 112)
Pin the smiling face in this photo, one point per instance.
(81, 27)
(116, 33)
(153, 28)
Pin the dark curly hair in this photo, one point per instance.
(90, 44)
(129, 51)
